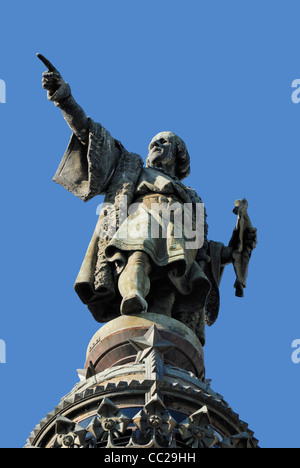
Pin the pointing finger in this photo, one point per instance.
(46, 62)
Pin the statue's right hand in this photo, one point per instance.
(52, 79)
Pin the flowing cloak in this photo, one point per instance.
(104, 167)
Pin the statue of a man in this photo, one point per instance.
(124, 273)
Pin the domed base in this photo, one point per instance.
(156, 398)
(113, 344)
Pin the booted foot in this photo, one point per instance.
(134, 305)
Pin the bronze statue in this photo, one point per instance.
(124, 273)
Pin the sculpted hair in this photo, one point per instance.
(183, 168)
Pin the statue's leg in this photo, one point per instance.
(134, 284)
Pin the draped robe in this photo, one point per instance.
(104, 167)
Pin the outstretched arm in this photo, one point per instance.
(92, 156)
(60, 93)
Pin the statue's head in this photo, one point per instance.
(167, 151)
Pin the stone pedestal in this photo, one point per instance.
(112, 344)
(143, 386)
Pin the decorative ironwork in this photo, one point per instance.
(152, 427)
(196, 430)
(157, 386)
(155, 426)
(152, 340)
(109, 423)
(69, 434)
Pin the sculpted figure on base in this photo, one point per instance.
(134, 268)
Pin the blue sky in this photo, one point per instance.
(218, 74)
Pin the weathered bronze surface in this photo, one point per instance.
(143, 384)
(119, 343)
(125, 273)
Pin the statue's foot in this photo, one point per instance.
(135, 304)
